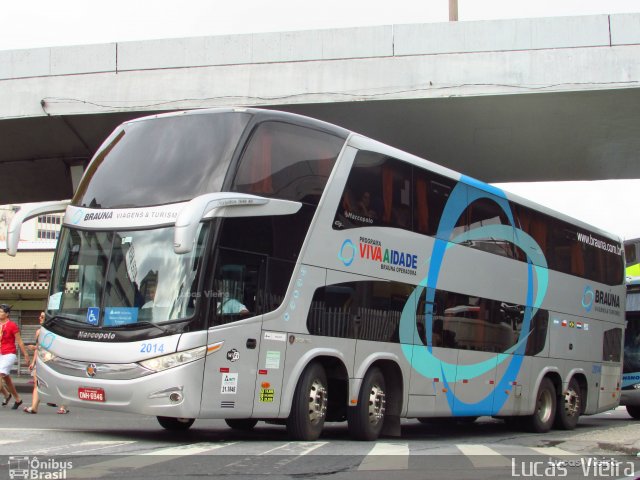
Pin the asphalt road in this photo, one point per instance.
(94, 444)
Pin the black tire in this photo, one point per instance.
(309, 406)
(569, 406)
(175, 424)
(634, 411)
(242, 424)
(544, 414)
(367, 418)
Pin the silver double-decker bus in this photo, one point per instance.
(252, 265)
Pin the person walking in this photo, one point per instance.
(5, 393)
(35, 399)
(10, 334)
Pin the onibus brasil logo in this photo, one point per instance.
(35, 468)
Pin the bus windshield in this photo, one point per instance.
(114, 279)
(168, 160)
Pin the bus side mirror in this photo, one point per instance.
(224, 204)
(26, 212)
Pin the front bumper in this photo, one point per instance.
(175, 392)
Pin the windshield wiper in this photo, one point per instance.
(60, 318)
(137, 325)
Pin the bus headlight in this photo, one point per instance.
(45, 355)
(172, 360)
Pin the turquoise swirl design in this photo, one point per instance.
(421, 357)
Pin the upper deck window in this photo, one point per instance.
(287, 161)
(162, 160)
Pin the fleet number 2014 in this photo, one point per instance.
(152, 348)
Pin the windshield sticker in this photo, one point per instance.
(54, 301)
(117, 316)
(93, 315)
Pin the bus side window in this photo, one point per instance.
(378, 192)
(431, 193)
(238, 285)
(287, 161)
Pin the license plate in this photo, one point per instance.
(91, 394)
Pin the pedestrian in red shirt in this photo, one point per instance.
(10, 334)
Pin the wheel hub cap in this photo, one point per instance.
(317, 402)
(377, 404)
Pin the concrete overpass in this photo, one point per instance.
(508, 100)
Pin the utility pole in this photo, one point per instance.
(453, 10)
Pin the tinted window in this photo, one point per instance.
(571, 250)
(362, 310)
(431, 195)
(612, 345)
(162, 160)
(372, 310)
(631, 362)
(238, 288)
(481, 216)
(256, 261)
(630, 253)
(287, 161)
(378, 192)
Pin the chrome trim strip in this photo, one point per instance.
(103, 371)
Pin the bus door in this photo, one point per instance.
(237, 300)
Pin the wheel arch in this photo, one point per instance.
(581, 378)
(553, 374)
(334, 364)
(394, 386)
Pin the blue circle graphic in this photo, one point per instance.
(587, 298)
(421, 356)
(347, 252)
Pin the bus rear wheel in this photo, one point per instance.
(309, 407)
(634, 411)
(545, 409)
(367, 418)
(569, 406)
(242, 424)
(175, 424)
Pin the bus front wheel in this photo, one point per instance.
(175, 424)
(309, 406)
(545, 409)
(367, 418)
(634, 411)
(569, 406)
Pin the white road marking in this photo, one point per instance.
(483, 456)
(134, 462)
(386, 456)
(553, 451)
(290, 452)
